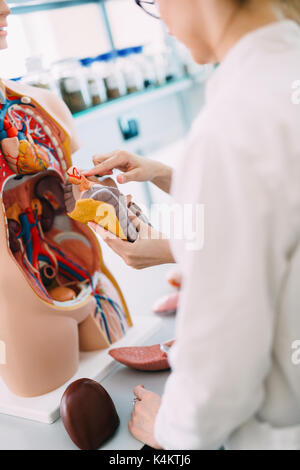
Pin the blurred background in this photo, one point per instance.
(128, 84)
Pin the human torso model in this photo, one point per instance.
(56, 295)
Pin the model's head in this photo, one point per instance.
(203, 26)
(4, 12)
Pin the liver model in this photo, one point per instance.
(88, 413)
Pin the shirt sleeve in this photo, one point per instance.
(225, 321)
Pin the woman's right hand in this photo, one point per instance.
(133, 167)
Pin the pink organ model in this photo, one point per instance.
(56, 295)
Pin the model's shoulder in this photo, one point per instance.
(52, 104)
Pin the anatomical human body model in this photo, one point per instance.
(56, 295)
(101, 202)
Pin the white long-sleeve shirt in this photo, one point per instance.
(235, 376)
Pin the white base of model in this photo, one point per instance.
(93, 365)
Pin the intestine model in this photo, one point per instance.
(56, 295)
(100, 201)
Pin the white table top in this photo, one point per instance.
(17, 433)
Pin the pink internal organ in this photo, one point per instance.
(167, 304)
(146, 358)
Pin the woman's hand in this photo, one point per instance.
(134, 168)
(150, 249)
(141, 424)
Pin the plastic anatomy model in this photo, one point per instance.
(56, 295)
(101, 202)
(168, 304)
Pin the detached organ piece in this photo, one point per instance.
(88, 413)
(102, 203)
(147, 358)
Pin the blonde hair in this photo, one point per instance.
(291, 9)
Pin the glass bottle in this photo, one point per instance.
(37, 75)
(73, 85)
(145, 65)
(95, 82)
(129, 69)
(112, 76)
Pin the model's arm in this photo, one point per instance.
(134, 168)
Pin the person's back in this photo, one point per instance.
(275, 71)
(244, 155)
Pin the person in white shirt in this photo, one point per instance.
(235, 377)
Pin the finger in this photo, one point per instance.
(134, 220)
(115, 243)
(140, 391)
(104, 234)
(107, 166)
(99, 158)
(170, 342)
(131, 427)
(132, 175)
(142, 228)
(96, 172)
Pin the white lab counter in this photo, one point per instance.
(23, 434)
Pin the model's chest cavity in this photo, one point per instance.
(27, 141)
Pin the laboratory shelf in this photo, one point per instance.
(28, 6)
(134, 99)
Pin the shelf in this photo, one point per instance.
(29, 6)
(135, 99)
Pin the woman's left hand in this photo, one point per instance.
(141, 424)
(150, 249)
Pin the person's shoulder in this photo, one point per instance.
(260, 90)
(253, 111)
(52, 104)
